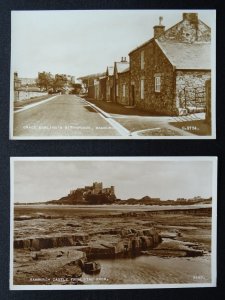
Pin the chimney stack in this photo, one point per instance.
(159, 29)
(123, 59)
(191, 17)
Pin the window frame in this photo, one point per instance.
(158, 84)
(142, 89)
(142, 60)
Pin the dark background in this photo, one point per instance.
(108, 148)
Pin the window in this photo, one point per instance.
(117, 92)
(124, 90)
(142, 60)
(142, 89)
(157, 84)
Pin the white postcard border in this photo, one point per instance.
(194, 137)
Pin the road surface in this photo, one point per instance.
(65, 116)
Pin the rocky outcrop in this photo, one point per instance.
(129, 242)
(170, 247)
(48, 266)
(105, 244)
(38, 243)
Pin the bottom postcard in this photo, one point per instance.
(113, 222)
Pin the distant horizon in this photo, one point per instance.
(138, 199)
(163, 200)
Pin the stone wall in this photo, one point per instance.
(190, 89)
(155, 63)
(188, 32)
(24, 95)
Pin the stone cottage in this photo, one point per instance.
(123, 87)
(109, 83)
(91, 84)
(169, 71)
(102, 88)
(121, 81)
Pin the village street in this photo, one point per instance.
(73, 116)
(64, 115)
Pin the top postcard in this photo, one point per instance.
(113, 74)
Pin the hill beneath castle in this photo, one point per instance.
(78, 197)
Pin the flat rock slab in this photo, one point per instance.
(48, 263)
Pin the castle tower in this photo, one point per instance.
(97, 187)
(112, 190)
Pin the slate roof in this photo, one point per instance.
(196, 56)
(121, 66)
(126, 70)
(141, 45)
(91, 76)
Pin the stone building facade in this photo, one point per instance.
(123, 87)
(109, 84)
(168, 72)
(102, 88)
(143, 93)
(119, 82)
(166, 75)
(191, 29)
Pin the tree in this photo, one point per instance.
(45, 80)
(58, 83)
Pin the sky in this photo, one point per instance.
(82, 42)
(36, 181)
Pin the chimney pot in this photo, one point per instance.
(160, 21)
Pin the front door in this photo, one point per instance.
(111, 94)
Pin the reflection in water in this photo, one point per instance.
(151, 269)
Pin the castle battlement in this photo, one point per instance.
(95, 189)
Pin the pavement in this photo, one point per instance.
(139, 123)
(148, 125)
(72, 116)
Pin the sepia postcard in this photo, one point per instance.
(113, 223)
(113, 74)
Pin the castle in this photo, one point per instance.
(94, 193)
